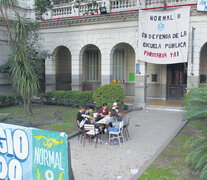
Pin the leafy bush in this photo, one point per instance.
(19, 100)
(195, 102)
(7, 100)
(109, 94)
(68, 98)
(197, 156)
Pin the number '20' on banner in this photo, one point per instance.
(33, 154)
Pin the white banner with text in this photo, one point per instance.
(163, 36)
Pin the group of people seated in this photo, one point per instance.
(84, 116)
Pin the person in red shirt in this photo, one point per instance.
(103, 112)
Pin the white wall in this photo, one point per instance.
(75, 38)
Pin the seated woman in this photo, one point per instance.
(103, 112)
(123, 117)
(117, 119)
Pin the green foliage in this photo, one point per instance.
(195, 103)
(22, 73)
(109, 94)
(68, 98)
(198, 153)
(21, 65)
(8, 3)
(92, 6)
(61, 128)
(37, 56)
(196, 109)
(42, 6)
(43, 117)
(158, 173)
(7, 100)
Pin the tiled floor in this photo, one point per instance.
(129, 100)
(156, 102)
(175, 103)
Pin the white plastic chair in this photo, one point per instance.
(117, 135)
(91, 131)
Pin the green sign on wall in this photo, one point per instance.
(131, 76)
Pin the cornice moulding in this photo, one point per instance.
(98, 19)
(93, 19)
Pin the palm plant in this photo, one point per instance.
(197, 156)
(196, 108)
(23, 75)
(196, 104)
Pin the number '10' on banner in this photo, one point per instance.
(33, 154)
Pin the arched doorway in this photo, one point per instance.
(63, 68)
(203, 66)
(91, 67)
(123, 61)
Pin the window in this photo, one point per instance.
(203, 78)
(118, 64)
(154, 77)
(92, 65)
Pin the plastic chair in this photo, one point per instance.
(117, 135)
(91, 131)
(125, 130)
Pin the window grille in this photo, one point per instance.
(118, 64)
(92, 65)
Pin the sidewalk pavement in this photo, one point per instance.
(150, 131)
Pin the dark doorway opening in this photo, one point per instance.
(176, 81)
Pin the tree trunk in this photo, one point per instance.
(25, 106)
(30, 107)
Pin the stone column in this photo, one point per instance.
(50, 78)
(140, 86)
(106, 68)
(76, 72)
(193, 76)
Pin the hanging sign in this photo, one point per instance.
(163, 35)
(202, 5)
(137, 68)
(29, 153)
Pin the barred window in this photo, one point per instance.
(203, 78)
(118, 64)
(154, 78)
(92, 65)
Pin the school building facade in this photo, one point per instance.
(88, 51)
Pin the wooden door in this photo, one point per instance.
(176, 80)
